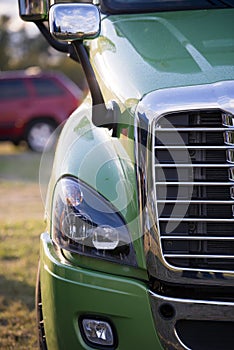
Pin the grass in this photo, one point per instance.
(21, 222)
(18, 164)
(18, 256)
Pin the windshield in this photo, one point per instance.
(129, 6)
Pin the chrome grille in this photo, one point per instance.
(194, 186)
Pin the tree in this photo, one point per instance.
(19, 50)
(4, 42)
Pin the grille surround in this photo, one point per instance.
(204, 140)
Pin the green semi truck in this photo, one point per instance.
(139, 248)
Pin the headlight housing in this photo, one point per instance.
(85, 223)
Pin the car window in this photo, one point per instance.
(12, 88)
(47, 87)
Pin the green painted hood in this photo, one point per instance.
(136, 54)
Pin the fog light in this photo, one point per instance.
(98, 332)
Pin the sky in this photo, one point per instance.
(10, 7)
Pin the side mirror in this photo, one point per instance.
(33, 10)
(74, 21)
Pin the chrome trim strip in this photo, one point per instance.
(231, 173)
(192, 165)
(197, 219)
(197, 302)
(194, 147)
(232, 192)
(192, 201)
(185, 183)
(194, 256)
(199, 238)
(230, 155)
(211, 96)
(207, 129)
(228, 120)
(229, 138)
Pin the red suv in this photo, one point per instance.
(33, 105)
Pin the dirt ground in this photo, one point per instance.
(20, 201)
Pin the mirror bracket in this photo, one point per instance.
(59, 46)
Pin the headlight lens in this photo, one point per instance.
(84, 222)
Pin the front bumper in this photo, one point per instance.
(141, 318)
(193, 324)
(69, 293)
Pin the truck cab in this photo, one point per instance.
(139, 247)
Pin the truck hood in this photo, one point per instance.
(136, 54)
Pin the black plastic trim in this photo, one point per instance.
(201, 292)
(206, 335)
(111, 8)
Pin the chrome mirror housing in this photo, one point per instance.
(33, 10)
(74, 21)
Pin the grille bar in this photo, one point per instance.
(197, 219)
(195, 202)
(184, 183)
(192, 165)
(193, 256)
(197, 238)
(192, 147)
(194, 128)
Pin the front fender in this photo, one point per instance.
(101, 161)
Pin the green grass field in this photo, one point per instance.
(21, 222)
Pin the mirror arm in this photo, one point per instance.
(62, 47)
(101, 115)
(89, 73)
(76, 50)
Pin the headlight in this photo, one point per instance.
(84, 222)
